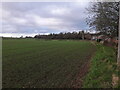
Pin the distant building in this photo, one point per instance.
(88, 36)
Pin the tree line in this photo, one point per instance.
(67, 35)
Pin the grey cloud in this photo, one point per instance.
(36, 17)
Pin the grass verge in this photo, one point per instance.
(102, 67)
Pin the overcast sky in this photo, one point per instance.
(28, 18)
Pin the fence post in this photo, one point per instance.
(118, 60)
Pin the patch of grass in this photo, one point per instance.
(103, 65)
(43, 63)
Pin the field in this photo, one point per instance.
(29, 63)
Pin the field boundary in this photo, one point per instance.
(102, 67)
(83, 71)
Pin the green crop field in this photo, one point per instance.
(43, 63)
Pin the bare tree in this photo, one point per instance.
(103, 17)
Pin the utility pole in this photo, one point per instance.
(82, 35)
(118, 60)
